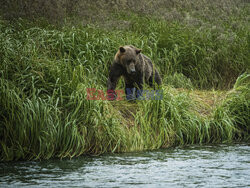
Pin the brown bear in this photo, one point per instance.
(135, 67)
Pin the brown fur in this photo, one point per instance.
(135, 67)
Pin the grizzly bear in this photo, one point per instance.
(136, 68)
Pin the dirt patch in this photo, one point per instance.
(127, 111)
(206, 101)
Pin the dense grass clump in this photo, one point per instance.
(235, 108)
(175, 120)
(45, 71)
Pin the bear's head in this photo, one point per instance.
(127, 57)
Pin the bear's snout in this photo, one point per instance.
(133, 71)
(131, 68)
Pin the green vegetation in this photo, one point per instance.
(45, 70)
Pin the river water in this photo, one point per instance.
(189, 166)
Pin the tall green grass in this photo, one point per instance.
(45, 71)
(174, 121)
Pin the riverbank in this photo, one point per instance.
(46, 68)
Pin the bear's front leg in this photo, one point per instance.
(139, 90)
(130, 91)
(115, 73)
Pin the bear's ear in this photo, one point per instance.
(122, 50)
(137, 51)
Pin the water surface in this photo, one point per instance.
(190, 166)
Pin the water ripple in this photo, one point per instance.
(190, 166)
